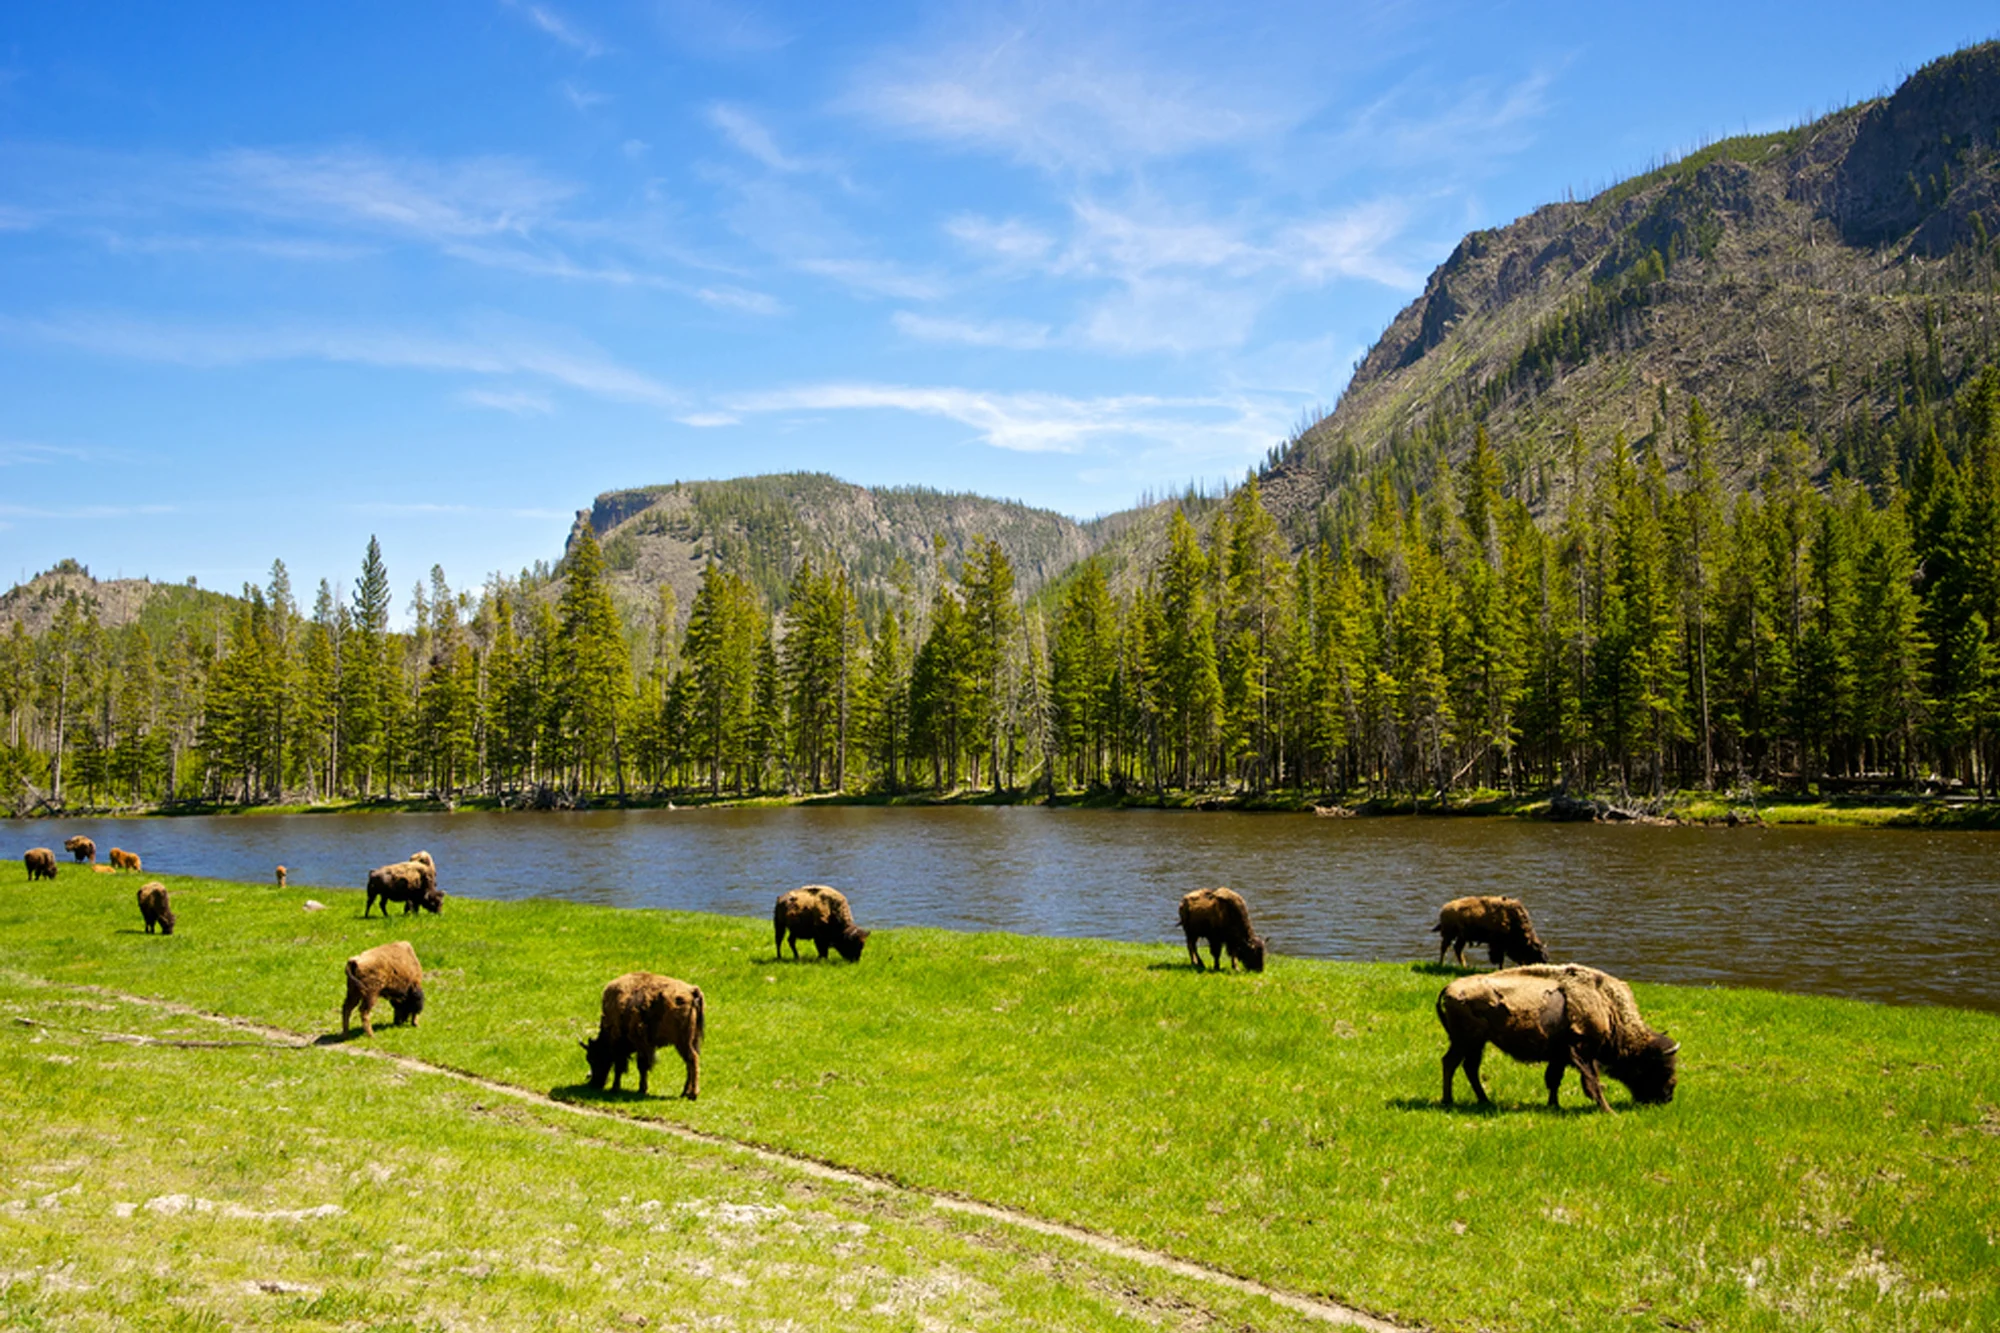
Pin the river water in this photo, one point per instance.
(1887, 915)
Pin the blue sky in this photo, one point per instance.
(277, 277)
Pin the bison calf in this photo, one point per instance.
(156, 909)
(642, 1012)
(82, 848)
(817, 913)
(412, 883)
(124, 860)
(1561, 1016)
(388, 971)
(1501, 924)
(41, 863)
(1221, 917)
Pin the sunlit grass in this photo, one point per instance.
(1827, 1163)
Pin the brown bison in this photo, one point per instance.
(281, 877)
(1562, 1016)
(1221, 917)
(387, 970)
(124, 860)
(643, 1012)
(815, 912)
(155, 908)
(1501, 924)
(82, 848)
(41, 863)
(412, 883)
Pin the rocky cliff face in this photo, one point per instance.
(1775, 277)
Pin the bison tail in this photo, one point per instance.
(700, 1019)
(1437, 929)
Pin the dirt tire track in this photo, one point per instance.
(1331, 1312)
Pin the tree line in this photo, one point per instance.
(1650, 631)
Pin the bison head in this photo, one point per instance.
(433, 900)
(409, 1006)
(1528, 948)
(602, 1053)
(1253, 953)
(1652, 1073)
(849, 944)
(167, 921)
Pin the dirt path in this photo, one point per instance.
(1313, 1307)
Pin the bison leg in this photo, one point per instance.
(367, 1009)
(778, 948)
(645, 1067)
(1587, 1071)
(1194, 951)
(1496, 954)
(1444, 943)
(691, 1057)
(1451, 1062)
(1215, 956)
(1553, 1076)
(1458, 949)
(1473, 1058)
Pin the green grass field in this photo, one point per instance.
(1827, 1164)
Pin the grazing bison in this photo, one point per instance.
(281, 877)
(817, 913)
(1221, 917)
(1561, 1015)
(387, 970)
(1501, 924)
(643, 1012)
(411, 883)
(41, 863)
(155, 908)
(124, 860)
(82, 848)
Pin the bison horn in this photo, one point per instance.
(1673, 1048)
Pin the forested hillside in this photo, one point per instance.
(1693, 484)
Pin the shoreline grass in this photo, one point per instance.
(1904, 810)
(1827, 1163)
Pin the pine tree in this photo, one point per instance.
(365, 678)
(595, 679)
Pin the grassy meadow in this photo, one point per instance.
(1826, 1164)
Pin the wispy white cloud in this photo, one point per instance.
(558, 26)
(1017, 334)
(1053, 90)
(709, 420)
(1008, 239)
(719, 28)
(20, 453)
(435, 200)
(1024, 422)
(740, 300)
(580, 97)
(515, 402)
(751, 137)
(1370, 241)
(875, 277)
(85, 511)
(386, 507)
(493, 352)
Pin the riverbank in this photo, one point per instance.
(1827, 1163)
(1771, 807)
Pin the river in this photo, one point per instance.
(1887, 915)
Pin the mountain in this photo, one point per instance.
(159, 608)
(762, 527)
(1813, 280)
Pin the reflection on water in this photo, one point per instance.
(1884, 915)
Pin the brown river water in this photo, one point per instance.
(1886, 915)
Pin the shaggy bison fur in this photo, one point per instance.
(124, 860)
(41, 863)
(412, 883)
(1221, 917)
(643, 1012)
(156, 909)
(82, 848)
(815, 912)
(1561, 1016)
(1501, 924)
(388, 971)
